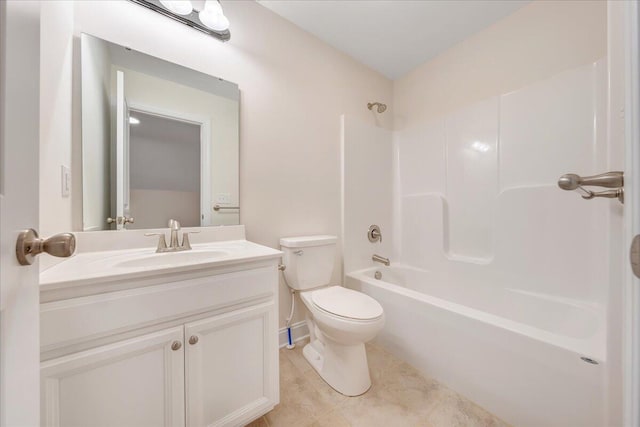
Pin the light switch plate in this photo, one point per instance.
(223, 198)
(65, 181)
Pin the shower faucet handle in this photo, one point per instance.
(374, 234)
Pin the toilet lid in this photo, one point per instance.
(345, 302)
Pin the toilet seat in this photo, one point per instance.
(346, 303)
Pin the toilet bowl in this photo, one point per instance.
(336, 349)
(340, 320)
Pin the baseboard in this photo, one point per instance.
(299, 331)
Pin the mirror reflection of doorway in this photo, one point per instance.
(164, 171)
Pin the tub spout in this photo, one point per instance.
(381, 259)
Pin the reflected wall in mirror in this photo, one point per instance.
(159, 141)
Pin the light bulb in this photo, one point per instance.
(180, 7)
(134, 121)
(212, 16)
(213, 6)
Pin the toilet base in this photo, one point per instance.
(343, 367)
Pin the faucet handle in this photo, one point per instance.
(174, 224)
(186, 245)
(162, 241)
(374, 234)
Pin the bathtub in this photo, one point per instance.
(518, 354)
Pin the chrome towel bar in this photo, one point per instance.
(219, 208)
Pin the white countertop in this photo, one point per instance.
(90, 267)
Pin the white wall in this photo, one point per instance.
(536, 42)
(294, 89)
(96, 132)
(367, 177)
(56, 56)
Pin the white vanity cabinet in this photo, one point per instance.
(136, 382)
(194, 349)
(227, 366)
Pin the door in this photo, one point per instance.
(631, 338)
(138, 382)
(19, 154)
(231, 371)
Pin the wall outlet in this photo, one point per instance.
(223, 198)
(66, 181)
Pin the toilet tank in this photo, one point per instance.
(309, 260)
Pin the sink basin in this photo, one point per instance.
(167, 259)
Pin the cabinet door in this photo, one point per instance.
(231, 367)
(137, 382)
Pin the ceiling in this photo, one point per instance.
(393, 36)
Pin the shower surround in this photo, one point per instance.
(499, 281)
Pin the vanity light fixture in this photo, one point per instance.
(181, 7)
(213, 17)
(210, 20)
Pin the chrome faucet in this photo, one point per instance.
(174, 227)
(381, 259)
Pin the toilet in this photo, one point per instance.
(340, 320)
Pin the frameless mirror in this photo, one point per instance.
(159, 141)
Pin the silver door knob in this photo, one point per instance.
(175, 346)
(29, 245)
(193, 339)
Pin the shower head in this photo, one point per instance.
(381, 107)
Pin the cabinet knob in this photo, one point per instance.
(175, 346)
(193, 340)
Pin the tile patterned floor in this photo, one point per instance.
(399, 396)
